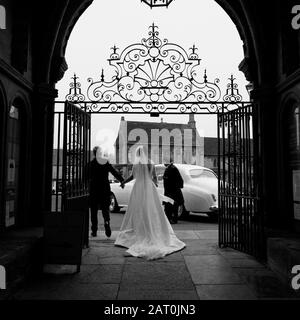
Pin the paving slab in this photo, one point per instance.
(245, 263)
(263, 282)
(91, 291)
(188, 295)
(58, 272)
(101, 243)
(174, 257)
(111, 260)
(195, 222)
(200, 271)
(101, 236)
(186, 234)
(156, 276)
(88, 274)
(207, 234)
(107, 252)
(198, 243)
(234, 254)
(97, 259)
(110, 274)
(205, 250)
(225, 292)
(207, 260)
(213, 273)
(73, 291)
(91, 259)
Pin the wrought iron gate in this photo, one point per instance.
(240, 219)
(70, 159)
(157, 77)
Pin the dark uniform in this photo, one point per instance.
(173, 183)
(99, 189)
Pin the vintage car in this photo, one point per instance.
(200, 190)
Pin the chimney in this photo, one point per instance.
(192, 122)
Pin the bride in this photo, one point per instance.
(145, 230)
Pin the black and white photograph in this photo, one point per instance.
(150, 152)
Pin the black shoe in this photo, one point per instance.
(107, 229)
(94, 234)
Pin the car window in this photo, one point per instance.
(160, 170)
(201, 173)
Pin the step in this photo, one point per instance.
(21, 256)
(283, 254)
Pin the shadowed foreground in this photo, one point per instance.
(200, 271)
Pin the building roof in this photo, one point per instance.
(156, 125)
(148, 126)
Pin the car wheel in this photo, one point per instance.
(113, 207)
(213, 216)
(182, 212)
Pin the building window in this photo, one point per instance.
(215, 163)
(294, 157)
(12, 165)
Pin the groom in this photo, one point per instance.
(173, 183)
(99, 187)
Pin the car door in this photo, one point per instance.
(123, 195)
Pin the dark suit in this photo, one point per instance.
(99, 188)
(173, 183)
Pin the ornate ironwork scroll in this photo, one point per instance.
(155, 76)
(75, 94)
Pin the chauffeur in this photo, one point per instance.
(173, 183)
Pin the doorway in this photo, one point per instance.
(292, 128)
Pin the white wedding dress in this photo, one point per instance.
(145, 230)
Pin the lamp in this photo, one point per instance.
(157, 3)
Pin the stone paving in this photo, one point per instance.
(201, 271)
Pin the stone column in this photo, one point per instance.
(42, 145)
(267, 136)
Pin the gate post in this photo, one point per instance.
(265, 135)
(42, 149)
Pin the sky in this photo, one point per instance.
(122, 23)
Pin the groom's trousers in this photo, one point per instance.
(95, 206)
(172, 211)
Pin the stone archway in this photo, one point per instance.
(243, 16)
(155, 76)
(53, 64)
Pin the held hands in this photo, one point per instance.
(122, 185)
